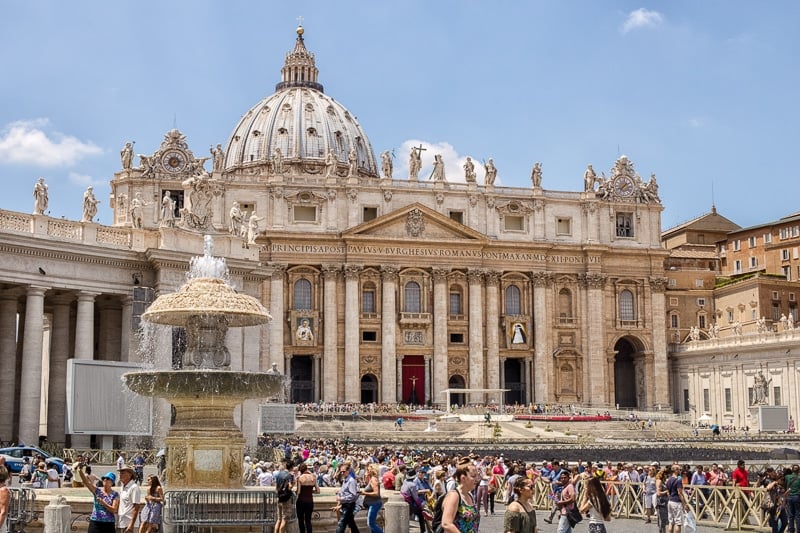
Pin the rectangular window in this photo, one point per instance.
(737, 267)
(776, 312)
(785, 255)
(673, 301)
(728, 400)
(458, 216)
(563, 226)
(674, 321)
(624, 225)
(698, 283)
(686, 404)
(753, 262)
(791, 296)
(701, 302)
(305, 213)
(730, 316)
(369, 336)
(673, 282)
(370, 213)
(776, 396)
(775, 295)
(787, 271)
(701, 321)
(751, 242)
(706, 400)
(751, 399)
(767, 238)
(456, 338)
(368, 302)
(514, 223)
(455, 303)
(737, 245)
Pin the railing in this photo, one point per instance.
(714, 506)
(21, 509)
(190, 509)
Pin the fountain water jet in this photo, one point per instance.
(205, 445)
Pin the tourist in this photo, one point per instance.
(106, 502)
(595, 502)
(662, 498)
(520, 515)
(53, 478)
(346, 497)
(39, 479)
(154, 504)
(283, 479)
(792, 483)
(138, 467)
(565, 503)
(306, 488)
(650, 493)
(372, 498)
(5, 498)
(774, 503)
(459, 512)
(130, 500)
(482, 496)
(409, 493)
(677, 505)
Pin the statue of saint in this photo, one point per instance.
(167, 210)
(277, 161)
(491, 173)
(235, 217)
(469, 171)
(137, 210)
(126, 155)
(89, 205)
(218, 158)
(589, 179)
(330, 164)
(536, 175)
(386, 164)
(784, 322)
(352, 160)
(414, 163)
(40, 197)
(252, 228)
(304, 331)
(438, 168)
(760, 389)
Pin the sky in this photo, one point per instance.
(701, 93)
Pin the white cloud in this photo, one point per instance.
(28, 142)
(453, 162)
(83, 180)
(641, 18)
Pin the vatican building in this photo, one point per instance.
(382, 288)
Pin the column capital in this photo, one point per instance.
(36, 290)
(439, 273)
(541, 278)
(389, 273)
(87, 296)
(493, 276)
(593, 280)
(278, 269)
(658, 283)
(352, 271)
(62, 299)
(475, 275)
(331, 271)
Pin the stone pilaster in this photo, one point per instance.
(660, 365)
(30, 387)
(494, 380)
(278, 312)
(427, 391)
(316, 377)
(8, 362)
(543, 369)
(84, 345)
(388, 334)
(352, 375)
(476, 376)
(440, 297)
(399, 372)
(125, 351)
(528, 379)
(57, 385)
(330, 322)
(594, 283)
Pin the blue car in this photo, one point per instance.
(15, 454)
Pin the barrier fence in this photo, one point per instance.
(21, 510)
(193, 510)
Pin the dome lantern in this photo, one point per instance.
(299, 68)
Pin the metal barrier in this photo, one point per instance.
(191, 510)
(21, 509)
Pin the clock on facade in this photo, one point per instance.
(173, 161)
(623, 186)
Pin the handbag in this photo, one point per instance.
(574, 516)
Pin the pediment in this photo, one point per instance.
(415, 221)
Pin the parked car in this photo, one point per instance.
(15, 454)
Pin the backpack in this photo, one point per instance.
(438, 509)
(283, 491)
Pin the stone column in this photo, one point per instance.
(427, 391)
(278, 312)
(399, 374)
(109, 337)
(30, 393)
(8, 362)
(125, 351)
(352, 374)
(330, 323)
(494, 377)
(476, 378)
(57, 386)
(317, 377)
(440, 297)
(389, 335)
(593, 283)
(502, 365)
(528, 379)
(542, 367)
(84, 345)
(660, 365)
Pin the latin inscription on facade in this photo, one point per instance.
(413, 337)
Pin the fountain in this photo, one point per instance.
(205, 447)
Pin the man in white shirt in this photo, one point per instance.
(130, 501)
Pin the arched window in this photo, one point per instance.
(412, 299)
(302, 295)
(626, 310)
(513, 306)
(564, 303)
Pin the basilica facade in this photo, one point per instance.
(382, 288)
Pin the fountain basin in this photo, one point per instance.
(204, 383)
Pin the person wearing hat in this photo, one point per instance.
(130, 500)
(106, 502)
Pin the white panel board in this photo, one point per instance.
(773, 417)
(276, 418)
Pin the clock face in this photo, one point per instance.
(173, 161)
(623, 186)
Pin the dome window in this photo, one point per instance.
(256, 133)
(283, 131)
(331, 110)
(312, 132)
(265, 110)
(310, 108)
(287, 108)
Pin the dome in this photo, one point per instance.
(300, 120)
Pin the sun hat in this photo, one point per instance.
(111, 476)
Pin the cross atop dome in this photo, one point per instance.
(299, 68)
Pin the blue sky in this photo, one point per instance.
(697, 92)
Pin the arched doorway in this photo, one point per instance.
(625, 392)
(512, 374)
(369, 389)
(457, 382)
(301, 372)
